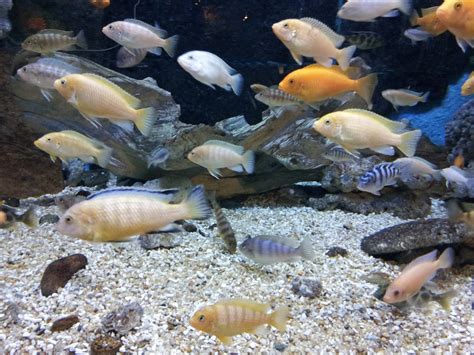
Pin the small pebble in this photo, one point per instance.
(49, 219)
(105, 345)
(335, 251)
(280, 347)
(189, 227)
(59, 272)
(306, 287)
(123, 319)
(158, 240)
(64, 323)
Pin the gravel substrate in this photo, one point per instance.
(170, 284)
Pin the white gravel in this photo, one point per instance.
(171, 284)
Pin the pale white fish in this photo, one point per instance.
(416, 166)
(456, 175)
(417, 35)
(211, 70)
(369, 10)
(404, 97)
(130, 57)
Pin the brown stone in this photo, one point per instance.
(59, 272)
(64, 323)
(105, 345)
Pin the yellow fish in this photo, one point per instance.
(429, 21)
(356, 129)
(457, 16)
(468, 86)
(231, 317)
(96, 97)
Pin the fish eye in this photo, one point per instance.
(24, 69)
(285, 25)
(110, 27)
(291, 81)
(191, 57)
(202, 318)
(68, 219)
(63, 82)
(327, 122)
(48, 139)
(457, 5)
(396, 293)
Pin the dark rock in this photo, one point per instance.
(159, 240)
(10, 201)
(105, 345)
(49, 219)
(306, 287)
(64, 323)
(59, 272)
(460, 133)
(123, 319)
(92, 178)
(404, 204)
(335, 251)
(189, 227)
(280, 347)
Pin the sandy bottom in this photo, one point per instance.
(171, 284)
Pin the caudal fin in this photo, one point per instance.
(146, 117)
(366, 87)
(414, 19)
(104, 156)
(306, 250)
(170, 45)
(344, 57)
(425, 96)
(445, 299)
(197, 205)
(30, 218)
(249, 161)
(81, 40)
(406, 6)
(446, 259)
(237, 84)
(409, 142)
(279, 318)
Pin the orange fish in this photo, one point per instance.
(459, 161)
(458, 17)
(316, 83)
(429, 22)
(100, 4)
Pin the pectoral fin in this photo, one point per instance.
(298, 58)
(92, 120)
(215, 173)
(387, 150)
(53, 158)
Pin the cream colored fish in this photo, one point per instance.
(308, 37)
(49, 41)
(416, 274)
(403, 97)
(369, 10)
(120, 214)
(356, 129)
(215, 155)
(96, 97)
(67, 145)
(414, 167)
(468, 86)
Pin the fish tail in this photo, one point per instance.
(197, 205)
(146, 117)
(237, 83)
(279, 318)
(170, 45)
(81, 40)
(414, 19)
(444, 299)
(344, 57)
(409, 141)
(446, 259)
(406, 6)
(30, 218)
(306, 250)
(249, 161)
(104, 156)
(366, 87)
(425, 96)
(437, 175)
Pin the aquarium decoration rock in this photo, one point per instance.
(49, 219)
(59, 272)
(306, 287)
(123, 319)
(460, 133)
(65, 323)
(159, 240)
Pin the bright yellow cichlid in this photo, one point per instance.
(96, 97)
(428, 21)
(457, 16)
(67, 145)
(356, 129)
(231, 317)
(119, 214)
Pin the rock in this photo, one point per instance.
(105, 345)
(335, 251)
(59, 272)
(123, 319)
(460, 133)
(280, 347)
(189, 227)
(10, 201)
(404, 204)
(159, 240)
(10, 313)
(306, 287)
(64, 323)
(49, 219)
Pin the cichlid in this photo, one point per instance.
(308, 37)
(381, 175)
(119, 214)
(96, 97)
(429, 21)
(415, 167)
(44, 72)
(258, 88)
(365, 40)
(136, 34)
(355, 129)
(266, 249)
(274, 97)
(10, 216)
(214, 155)
(468, 86)
(416, 274)
(417, 35)
(457, 16)
(456, 175)
(224, 229)
(338, 154)
(211, 70)
(50, 41)
(129, 57)
(316, 83)
(458, 213)
(68, 145)
(403, 97)
(227, 318)
(369, 10)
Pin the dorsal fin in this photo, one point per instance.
(130, 99)
(156, 30)
(57, 32)
(335, 38)
(394, 126)
(411, 92)
(424, 161)
(239, 302)
(280, 240)
(162, 195)
(430, 257)
(429, 10)
(235, 148)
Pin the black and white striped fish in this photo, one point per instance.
(224, 229)
(267, 249)
(381, 175)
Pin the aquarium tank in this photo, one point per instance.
(204, 176)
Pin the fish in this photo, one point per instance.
(365, 40)
(64, 202)
(403, 97)
(231, 317)
(459, 160)
(369, 10)
(458, 213)
(428, 21)
(274, 97)
(214, 155)
(315, 83)
(455, 175)
(100, 4)
(10, 216)
(121, 214)
(136, 34)
(468, 86)
(415, 167)
(308, 37)
(68, 145)
(267, 249)
(338, 154)
(130, 57)
(356, 129)
(258, 88)
(457, 16)
(381, 175)
(224, 228)
(96, 97)
(209, 69)
(417, 35)
(44, 72)
(416, 274)
(49, 41)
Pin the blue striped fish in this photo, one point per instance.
(381, 175)
(266, 249)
